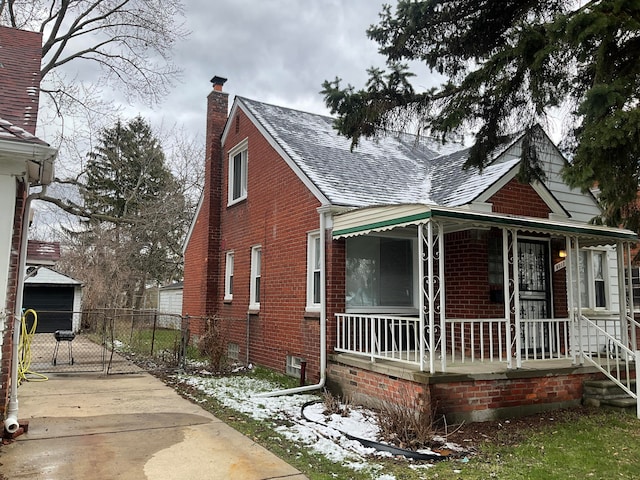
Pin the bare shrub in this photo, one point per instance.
(407, 423)
(212, 344)
(335, 405)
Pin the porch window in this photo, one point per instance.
(228, 277)
(313, 271)
(237, 173)
(380, 273)
(256, 261)
(592, 275)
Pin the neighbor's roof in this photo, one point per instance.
(47, 276)
(42, 253)
(389, 170)
(20, 55)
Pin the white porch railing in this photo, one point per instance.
(482, 339)
(545, 338)
(379, 337)
(611, 355)
(466, 340)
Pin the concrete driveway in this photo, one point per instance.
(127, 427)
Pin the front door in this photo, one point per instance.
(535, 294)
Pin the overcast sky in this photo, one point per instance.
(275, 51)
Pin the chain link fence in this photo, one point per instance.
(109, 341)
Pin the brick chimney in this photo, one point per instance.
(202, 254)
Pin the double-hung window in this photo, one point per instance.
(228, 277)
(313, 272)
(256, 268)
(592, 276)
(238, 165)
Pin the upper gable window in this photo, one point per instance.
(238, 160)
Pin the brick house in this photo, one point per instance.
(389, 269)
(25, 161)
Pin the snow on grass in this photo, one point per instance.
(322, 434)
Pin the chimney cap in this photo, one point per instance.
(218, 80)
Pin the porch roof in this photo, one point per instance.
(362, 221)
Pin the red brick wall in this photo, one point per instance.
(336, 273)
(5, 366)
(517, 198)
(277, 215)
(201, 259)
(372, 388)
(469, 399)
(467, 276)
(495, 394)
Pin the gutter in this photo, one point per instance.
(323, 211)
(11, 423)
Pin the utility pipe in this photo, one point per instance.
(323, 318)
(11, 423)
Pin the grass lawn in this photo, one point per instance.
(580, 443)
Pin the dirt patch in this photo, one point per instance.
(512, 431)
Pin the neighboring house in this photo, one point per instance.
(391, 271)
(56, 299)
(170, 305)
(25, 161)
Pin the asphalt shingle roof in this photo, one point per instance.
(388, 170)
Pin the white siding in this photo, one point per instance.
(581, 206)
(77, 308)
(170, 308)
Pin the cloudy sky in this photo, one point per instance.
(276, 51)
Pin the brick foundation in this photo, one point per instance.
(460, 398)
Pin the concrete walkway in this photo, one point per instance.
(127, 427)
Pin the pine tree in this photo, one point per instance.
(508, 64)
(135, 206)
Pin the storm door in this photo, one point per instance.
(535, 294)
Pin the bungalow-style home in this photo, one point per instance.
(389, 272)
(25, 161)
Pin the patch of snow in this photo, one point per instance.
(284, 413)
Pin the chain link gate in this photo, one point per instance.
(110, 341)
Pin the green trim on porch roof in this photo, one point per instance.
(386, 223)
(605, 232)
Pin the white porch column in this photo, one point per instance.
(423, 294)
(442, 291)
(571, 308)
(576, 252)
(634, 337)
(516, 296)
(622, 294)
(431, 299)
(506, 293)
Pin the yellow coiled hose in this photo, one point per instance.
(24, 350)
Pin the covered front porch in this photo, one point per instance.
(488, 293)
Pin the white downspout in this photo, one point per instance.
(323, 317)
(11, 423)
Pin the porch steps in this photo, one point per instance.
(598, 393)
